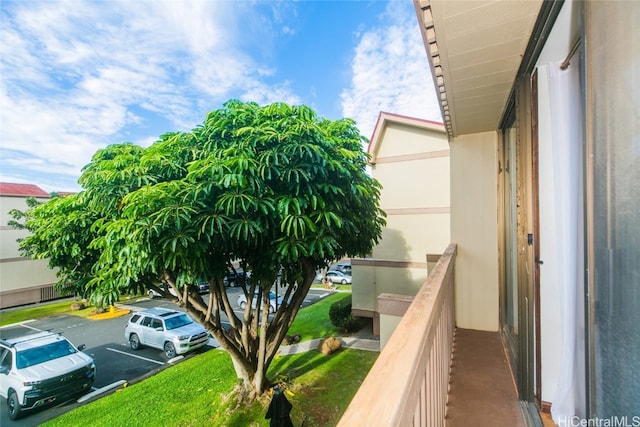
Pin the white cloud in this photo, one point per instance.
(79, 75)
(263, 94)
(390, 73)
(76, 75)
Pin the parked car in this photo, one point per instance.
(152, 293)
(236, 278)
(274, 302)
(170, 330)
(202, 286)
(336, 276)
(343, 268)
(42, 368)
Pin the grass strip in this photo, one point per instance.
(199, 390)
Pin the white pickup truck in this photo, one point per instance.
(42, 368)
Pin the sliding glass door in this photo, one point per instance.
(520, 306)
(510, 244)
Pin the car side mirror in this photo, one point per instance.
(159, 329)
(4, 369)
(82, 347)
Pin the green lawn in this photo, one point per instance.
(40, 311)
(8, 317)
(199, 391)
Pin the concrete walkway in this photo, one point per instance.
(363, 340)
(347, 342)
(360, 340)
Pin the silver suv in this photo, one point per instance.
(42, 368)
(169, 330)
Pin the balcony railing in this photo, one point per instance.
(408, 384)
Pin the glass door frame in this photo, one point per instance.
(509, 313)
(518, 215)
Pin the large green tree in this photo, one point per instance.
(274, 188)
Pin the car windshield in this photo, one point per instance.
(177, 321)
(36, 355)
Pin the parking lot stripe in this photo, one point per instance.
(136, 356)
(23, 323)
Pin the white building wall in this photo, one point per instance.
(21, 278)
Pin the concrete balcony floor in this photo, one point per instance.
(482, 391)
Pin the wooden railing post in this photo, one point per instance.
(408, 384)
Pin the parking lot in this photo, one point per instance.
(115, 362)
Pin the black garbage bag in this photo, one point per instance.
(279, 410)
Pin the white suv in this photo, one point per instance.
(42, 368)
(169, 330)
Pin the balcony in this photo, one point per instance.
(432, 374)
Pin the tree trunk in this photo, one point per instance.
(252, 345)
(259, 380)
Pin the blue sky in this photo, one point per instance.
(76, 76)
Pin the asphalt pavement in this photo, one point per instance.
(117, 363)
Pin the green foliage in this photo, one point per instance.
(61, 231)
(39, 311)
(313, 321)
(341, 317)
(201, 393)
(323, 386)
(202, 387)
(273, 187)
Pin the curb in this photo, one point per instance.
(101, 390)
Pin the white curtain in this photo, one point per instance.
(567, 152)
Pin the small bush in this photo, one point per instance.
(341, 317)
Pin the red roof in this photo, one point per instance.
(25, 190)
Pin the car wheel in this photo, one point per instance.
(169, 350)
(151, 294)
(14, 406)
(243, 305)
(271, 309)
(344, 281)
(134, 342)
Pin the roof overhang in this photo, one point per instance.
(475, 50)
(384, 119)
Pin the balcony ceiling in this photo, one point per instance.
(476, 48)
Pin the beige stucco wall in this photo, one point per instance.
(388, 324)
(411, 161)
(369, 281)
(474, 229)
(410, 237)
(402, 139)
(410, 184)
(363, 288)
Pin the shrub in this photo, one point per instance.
(341, 317)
